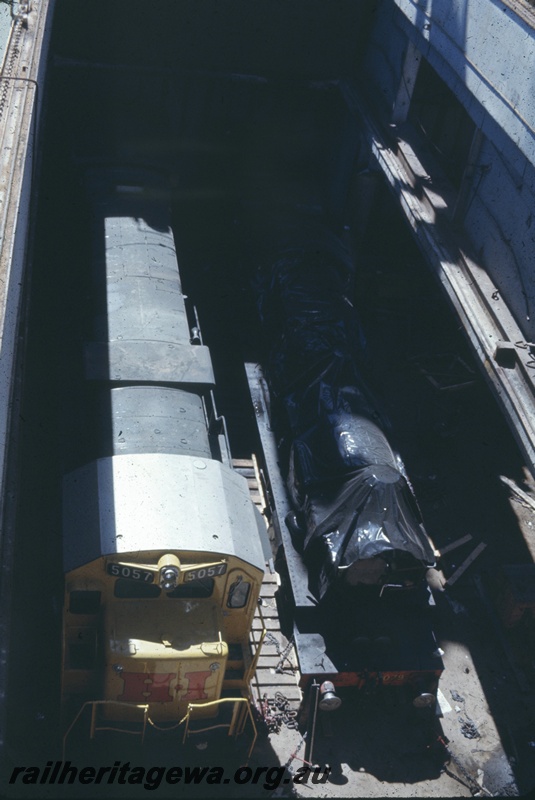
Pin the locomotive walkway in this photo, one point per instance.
(277, 674)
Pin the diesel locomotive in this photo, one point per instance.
(164, 549)
(351, 538)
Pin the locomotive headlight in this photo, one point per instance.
(169, 572)
(424, 700)
(169, 578)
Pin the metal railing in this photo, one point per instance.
(93, 728)
(236, 726)
(242, 707)
(254, 662)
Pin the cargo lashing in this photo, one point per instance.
(283, 654)
(276, 712)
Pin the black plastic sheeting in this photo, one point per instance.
(355, 514)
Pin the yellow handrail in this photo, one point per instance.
(93, 728)
(232, 726)
(254, 662)
(241, 700)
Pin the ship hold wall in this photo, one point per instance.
(463, 78)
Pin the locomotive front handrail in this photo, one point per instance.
(93, 728)
(231, 726)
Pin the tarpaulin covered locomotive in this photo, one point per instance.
(354, 544)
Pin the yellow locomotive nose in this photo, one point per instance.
(161, 660)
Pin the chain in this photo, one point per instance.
(277, 712)
(294, 755)
(283, 654)
(473, 785)
(14, 52)
(456, 778)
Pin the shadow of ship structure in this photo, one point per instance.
(351, 538)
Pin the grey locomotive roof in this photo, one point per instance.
(151, 419)
(144, 293)
(142, 332)
(158, 501)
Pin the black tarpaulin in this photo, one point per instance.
(372, 514)
(354, 507)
